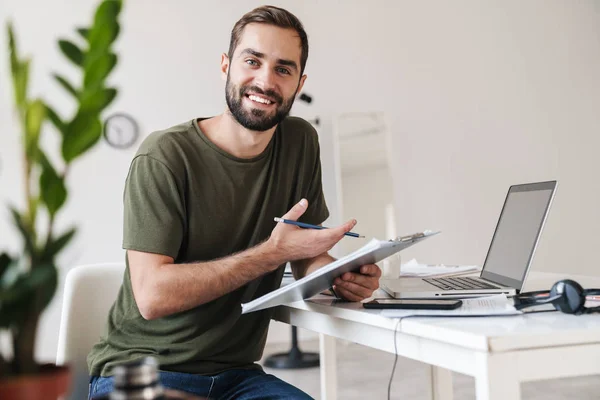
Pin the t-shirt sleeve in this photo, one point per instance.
(153, 208)
(317, 211)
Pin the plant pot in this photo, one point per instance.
(52, 382)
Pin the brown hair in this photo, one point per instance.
(272, 16)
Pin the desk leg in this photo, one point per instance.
(328, 367)
(497, 377)
(441, 383)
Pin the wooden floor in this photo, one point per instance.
(364, 373)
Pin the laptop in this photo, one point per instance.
(508, 258)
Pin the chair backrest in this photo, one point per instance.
(90, 291)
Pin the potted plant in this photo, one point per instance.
(28, 280)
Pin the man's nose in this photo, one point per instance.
(266, 79)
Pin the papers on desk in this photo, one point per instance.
(477, 307)
(414, 269)
(471, 307)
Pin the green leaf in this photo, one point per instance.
(39, 275)
(11, 273)
(20, 82)
(15, 300)
(81, 134)
(71, 51)
(84, 32)
(106, 28)
(34, 117)
(98, 100)
(66, 85)
(14, 312)
(103, 45)
(47, 286)
(28, 236)
(19, 70)
(34, 202)
(107, 11)
(5, 261)
(56, 245)
(52, 186)
(12, 45)
(55, 119)
(98, 68)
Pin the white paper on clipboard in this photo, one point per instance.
(322, 279)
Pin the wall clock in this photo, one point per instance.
(121, 130)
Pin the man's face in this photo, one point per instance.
(263, 76)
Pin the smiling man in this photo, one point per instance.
(199, 204)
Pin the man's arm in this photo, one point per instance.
(161, 288)
(301, 268)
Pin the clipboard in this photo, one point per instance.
(322, 279)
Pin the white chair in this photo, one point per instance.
(90, 291)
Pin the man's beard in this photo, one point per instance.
(255, 119)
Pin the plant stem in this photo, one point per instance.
(3, 367)
(24, 340)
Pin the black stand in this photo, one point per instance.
(293, 359)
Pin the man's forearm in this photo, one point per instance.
(301, 268)
(174, 288)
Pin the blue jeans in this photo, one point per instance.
(234, 384)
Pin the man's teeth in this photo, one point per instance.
(259, 99)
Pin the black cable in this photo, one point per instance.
(591, 310)
(395, 358)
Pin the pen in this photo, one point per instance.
(303, 225)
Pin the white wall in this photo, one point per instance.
(494, 94)
(370, 209)
(479, 95)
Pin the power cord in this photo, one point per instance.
(395, 358)
(396, 350)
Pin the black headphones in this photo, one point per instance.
(567, 296)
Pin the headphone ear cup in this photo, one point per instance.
(571, 298)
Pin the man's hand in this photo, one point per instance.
(290, 242)
(358, 286)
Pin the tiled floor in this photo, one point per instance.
(364, 373)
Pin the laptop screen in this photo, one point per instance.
(517, 233)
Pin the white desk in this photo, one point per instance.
(499, 352)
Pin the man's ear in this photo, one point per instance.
(224, 66)
(300, 84)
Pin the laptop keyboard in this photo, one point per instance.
(460, 283)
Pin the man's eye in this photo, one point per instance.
(283, 71)
(251, 62)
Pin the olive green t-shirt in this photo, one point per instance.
(188, 199)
